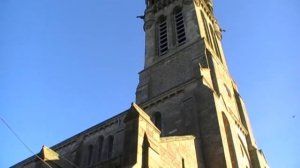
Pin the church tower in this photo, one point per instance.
(186, 87)
(188, 110)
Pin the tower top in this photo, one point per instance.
(159, 4)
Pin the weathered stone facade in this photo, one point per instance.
(127, 140)
(188, 110)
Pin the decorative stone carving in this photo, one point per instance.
(148, 24)
(218, 30)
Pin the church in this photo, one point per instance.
(188, 112)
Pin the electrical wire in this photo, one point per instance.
(23, 143)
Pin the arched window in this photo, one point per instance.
(162, 36)
(229, 141)
(110, 146)
(207, 34)
(100, 147)
(213, 73)
(182, 163)
(217, 49)
(179, 26)
(90, 154)
(157, 120)
(145, 152)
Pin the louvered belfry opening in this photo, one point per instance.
(180, 29)
(163, 36)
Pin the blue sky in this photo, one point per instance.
(68, 65)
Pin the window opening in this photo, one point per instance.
(213, 72)
(110, 146)
(229, 141)
(207, 34)
(163, 36)
(182, 163)
(157, 120)
(180, 29)
(90, 154)
(217, 50)
(145, 152)
(100, 147)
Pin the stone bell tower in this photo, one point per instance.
(186, 87)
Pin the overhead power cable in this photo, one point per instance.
(23, 143)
